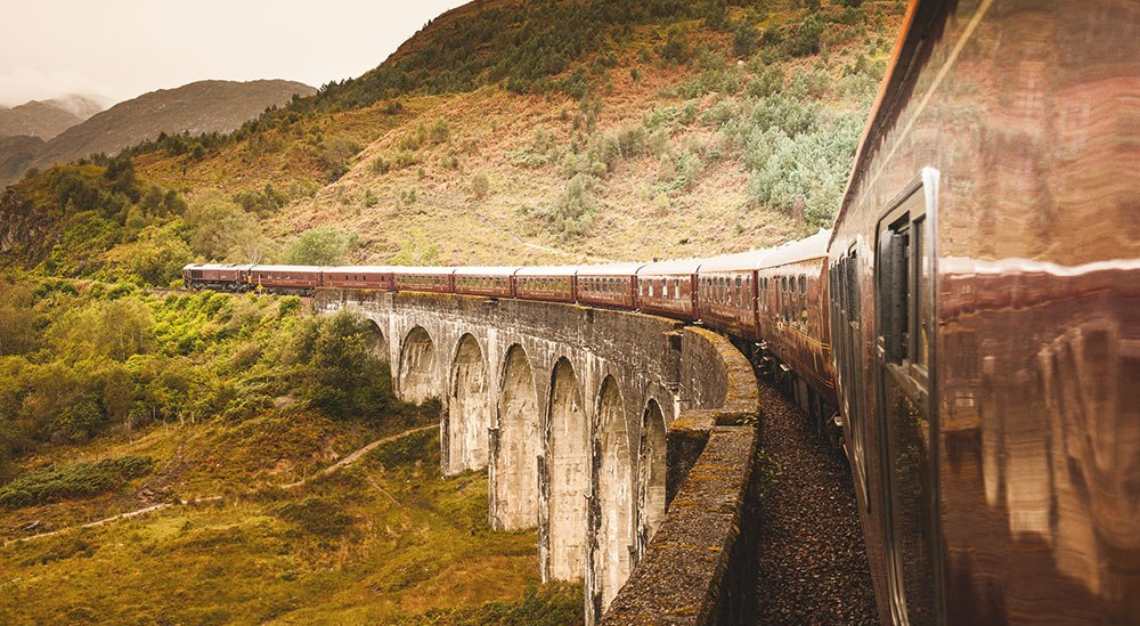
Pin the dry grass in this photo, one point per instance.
(383, 541)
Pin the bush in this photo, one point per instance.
(571, 215)
(745, 39)
(344, 377)
(768, 81)
(317, 516)
(805, 38)
(320, 246)
(480, 186)
(217, 226)
(264, 202)
(676, 47)
(79, 480)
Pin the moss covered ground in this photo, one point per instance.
(388, 540)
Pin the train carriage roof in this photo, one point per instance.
(498, 271)
(610, 269)
(739, 262)
(672, 267)
(813, 247)
(424, 270)
(216, 266)
(293, 269)
(361, 269)
(548, 270)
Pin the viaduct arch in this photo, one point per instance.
(585, 419)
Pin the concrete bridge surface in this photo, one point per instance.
(586, 420)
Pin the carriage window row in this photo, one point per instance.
(661, 287)
(479, 281)
(730, 290)
(545, 284)
(791, 296)
(604, 284)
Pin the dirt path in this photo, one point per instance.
(347, 461)
(812, 563)
(356, 456)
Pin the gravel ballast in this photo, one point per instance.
(812, 565)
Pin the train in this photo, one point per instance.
(970, 324)
(772, 300)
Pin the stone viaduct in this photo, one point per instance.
(624, 438)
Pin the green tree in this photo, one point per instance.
(321, 246)
(346, 379)
(115, 329)
(217, 226)
(18, 333)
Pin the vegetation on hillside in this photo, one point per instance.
(80, 359)
(388, 540)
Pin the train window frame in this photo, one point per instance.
(915, 209)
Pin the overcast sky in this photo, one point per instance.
(118, 49)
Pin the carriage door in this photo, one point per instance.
(906, 420)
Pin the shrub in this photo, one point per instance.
(768, 81)
(320, 246)
(571, 215)
(344, 378)
(480, 186)
(264, 202)
(745, 39)
(676, 47)
(805, 38)
(317, 516)
(380, 166)
(217, 226)
(78, 480)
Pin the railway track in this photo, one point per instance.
(810, 557)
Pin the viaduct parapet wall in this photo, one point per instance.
(587, 421)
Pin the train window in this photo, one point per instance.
(907, 417)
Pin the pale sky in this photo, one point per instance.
(118, 49)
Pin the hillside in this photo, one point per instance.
(16, 153)
(635, 130)
(517, 132)
(505, 131)
(201, 107)
(217, 416)
(48, 118)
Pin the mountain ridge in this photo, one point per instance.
(200, 107)
(46, 119)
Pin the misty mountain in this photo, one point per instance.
(200, 107)
(47, 118)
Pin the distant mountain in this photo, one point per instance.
(16, 153)
(204, 106)
(47, 118)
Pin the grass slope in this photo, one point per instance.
(385, 541)
(481, 172)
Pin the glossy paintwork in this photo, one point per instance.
(796, 327)
(1026, 118)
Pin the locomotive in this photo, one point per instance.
(971, 322)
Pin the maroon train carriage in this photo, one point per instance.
(300, 279)
(613, 285)
(792, 307)
(494, 282)
(727, 293)
(223, 277)
(377, 278)
(986, 317)
(429, 279)
(669, 288)
(547, 283)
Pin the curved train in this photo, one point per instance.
(775, 298)
(972, 319)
